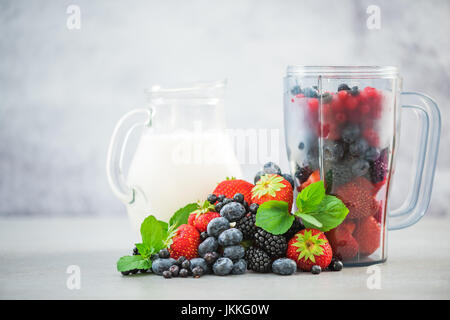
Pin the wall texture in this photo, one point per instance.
(61, 90)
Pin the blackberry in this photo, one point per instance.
(302, 173)
(297, 225)
(274, 245)
(258, 260)
(379, 167)
(247, 225)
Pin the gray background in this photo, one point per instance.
(62, 91)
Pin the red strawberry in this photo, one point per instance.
(309, 247)
(272, 187)
(232, 186)
(342, 242)
(185, 242)
(357, 195)
(368, 234)
(202, 216)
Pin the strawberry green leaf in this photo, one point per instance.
(153, 234)
(309, 199)
(331, 212)
(128, 263)
(182, 215)
(274, 217)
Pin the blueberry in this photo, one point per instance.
(239, 197)
(125, 273)
(230, 237)
(350, 133)
(245, 204)
(343, 86)
(174, 270)
(289, 179)
(167, 274)
(234, 252)
(371, 154)
(327, 97)
(154, 256)
(186, 264)
(310, 92)
(184, 273)
(209, 245)
(212, 198)
(222, 266)
(164, 254)
(332, 150)
(254, 208)
(301, 145)
(161, 265)
(258, 176)
(211, 257)
(239, 267)
(199, 262)
(221, 197)
(316, 269)
(135, 251)
(296, 90)
(336, 265)
(358, 148)
(360, 167)
(284, 266)
(217, 225)
(233, 211)
(354, 91)
(134, 271)
(271, 168)
(197, 272)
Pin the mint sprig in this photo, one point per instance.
(156, 235)
(316, 209)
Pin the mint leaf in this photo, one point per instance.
(309, 199)
(274, 217)
(331, 212)
(143, 249)
(182, 215)
(309, 221)
(153, 233)
(128, 263)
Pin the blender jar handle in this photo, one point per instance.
(114, 162)
(418, 199)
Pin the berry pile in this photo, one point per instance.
(345, 136)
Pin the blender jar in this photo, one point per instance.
(342, 126)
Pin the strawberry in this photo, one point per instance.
(314, 177)
(368, 234)
(309, 247)
(342, 242)
(202, 216)
(232, 186)
(185, 242)
(272, 187)
(357, 195)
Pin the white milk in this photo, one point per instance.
(169, 171)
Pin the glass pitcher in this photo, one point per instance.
(342, 126)
(182, 152)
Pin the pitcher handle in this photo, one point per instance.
(114, 162)
(418, 199)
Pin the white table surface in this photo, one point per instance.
(35, 254)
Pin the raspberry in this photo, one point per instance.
(313, 105)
